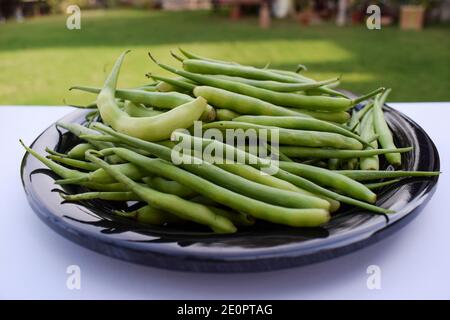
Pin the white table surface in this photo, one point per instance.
(414, 262)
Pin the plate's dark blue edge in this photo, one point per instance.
(267, 248)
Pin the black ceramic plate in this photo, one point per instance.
(261, 248)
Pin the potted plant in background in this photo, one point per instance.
(412, 14)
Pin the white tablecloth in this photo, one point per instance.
(414, 262)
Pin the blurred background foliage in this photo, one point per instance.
(40, 58)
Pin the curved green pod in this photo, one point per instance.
(294, 137)
(149, 128)
(306, 152)
(382, 129)
(330, 179)
(279, 86)
(101, 176)
(299, 123)
(367, 130)
(240, 103)
(366, 175)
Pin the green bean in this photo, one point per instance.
(102, 195)
(158, 183)
(175, 83)
(67, 173)
(364, 175)
(354, 126)
(278, 86)
(238, 218)
(305, 152)
(252, 159)
(287, 76)
(378, 185)
(78, 151)
(102, 176)
(330, 179)
(290, 76)
(327, 90)
(191, 55)
(60, 170)
(278, 98)
(308, 185)
(225, 115)
(224, 178)
(181, 208)
(300, 123)
(382, 129)
(293, 137)
(167, 186)
(146, 214)
(179, 58)
(337, 117)
(367, 130)
(255, 175)
(106, 187)
(282, 174)
(55, 153)
(78, 164)
(242, 104)
(210, 67)
(138, 110)
(107, 137)
(275, 150)
(256, 208)
(78, 130)
(367, 96)
(295, 77)
(194, 67)
(92, 105)
(150, 215)
(161, 100)
(334, 205)
(100, 137)
(149, 128)
(147, 88)
(168, 86)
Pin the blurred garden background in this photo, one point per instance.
(40, 58)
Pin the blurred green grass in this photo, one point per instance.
(40, 59)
